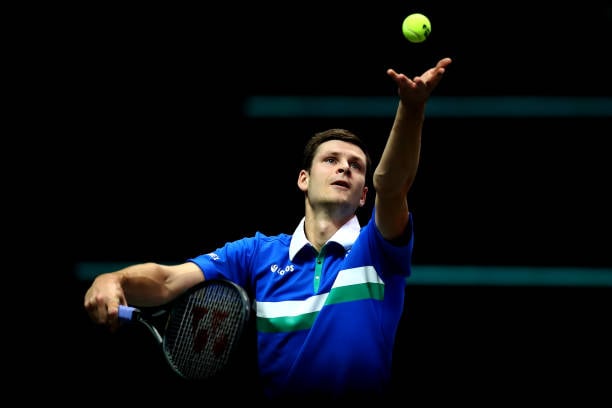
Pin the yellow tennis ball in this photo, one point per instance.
(416, 27)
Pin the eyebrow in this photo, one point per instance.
(335, 152)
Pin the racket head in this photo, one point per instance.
(204, 329)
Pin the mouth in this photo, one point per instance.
(341, 183)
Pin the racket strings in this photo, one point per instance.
(202, 332)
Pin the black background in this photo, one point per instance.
(153, 159)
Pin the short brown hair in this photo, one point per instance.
(333, 134)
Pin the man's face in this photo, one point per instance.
(337, 175)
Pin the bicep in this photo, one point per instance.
(391, 216)
(182, 277)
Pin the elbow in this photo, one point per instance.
(379, 180)
(383, 183)
(389, 186)
(378, 183)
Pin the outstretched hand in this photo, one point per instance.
(418, 89)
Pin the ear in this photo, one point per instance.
(302, 180)
(364, 194)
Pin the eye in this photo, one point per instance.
(330, 160)
(356, 165)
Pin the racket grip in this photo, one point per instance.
(128, 313)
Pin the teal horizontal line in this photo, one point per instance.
(510, 276)
(450, 275)
(89, 270)
(441, 106)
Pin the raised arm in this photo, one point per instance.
(399, 161)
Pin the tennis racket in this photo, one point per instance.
(202, 328)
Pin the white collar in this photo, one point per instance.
(345, 236)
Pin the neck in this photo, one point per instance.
(320, 226)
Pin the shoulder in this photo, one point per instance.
(261, 239)
(278, 239)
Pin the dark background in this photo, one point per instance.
(154, 159)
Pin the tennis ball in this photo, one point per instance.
(416, 28)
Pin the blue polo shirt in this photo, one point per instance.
(326, 322)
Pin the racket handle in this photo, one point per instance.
(128, 313)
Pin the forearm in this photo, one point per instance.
(141, 284)
(399, 161)
(145, 284)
